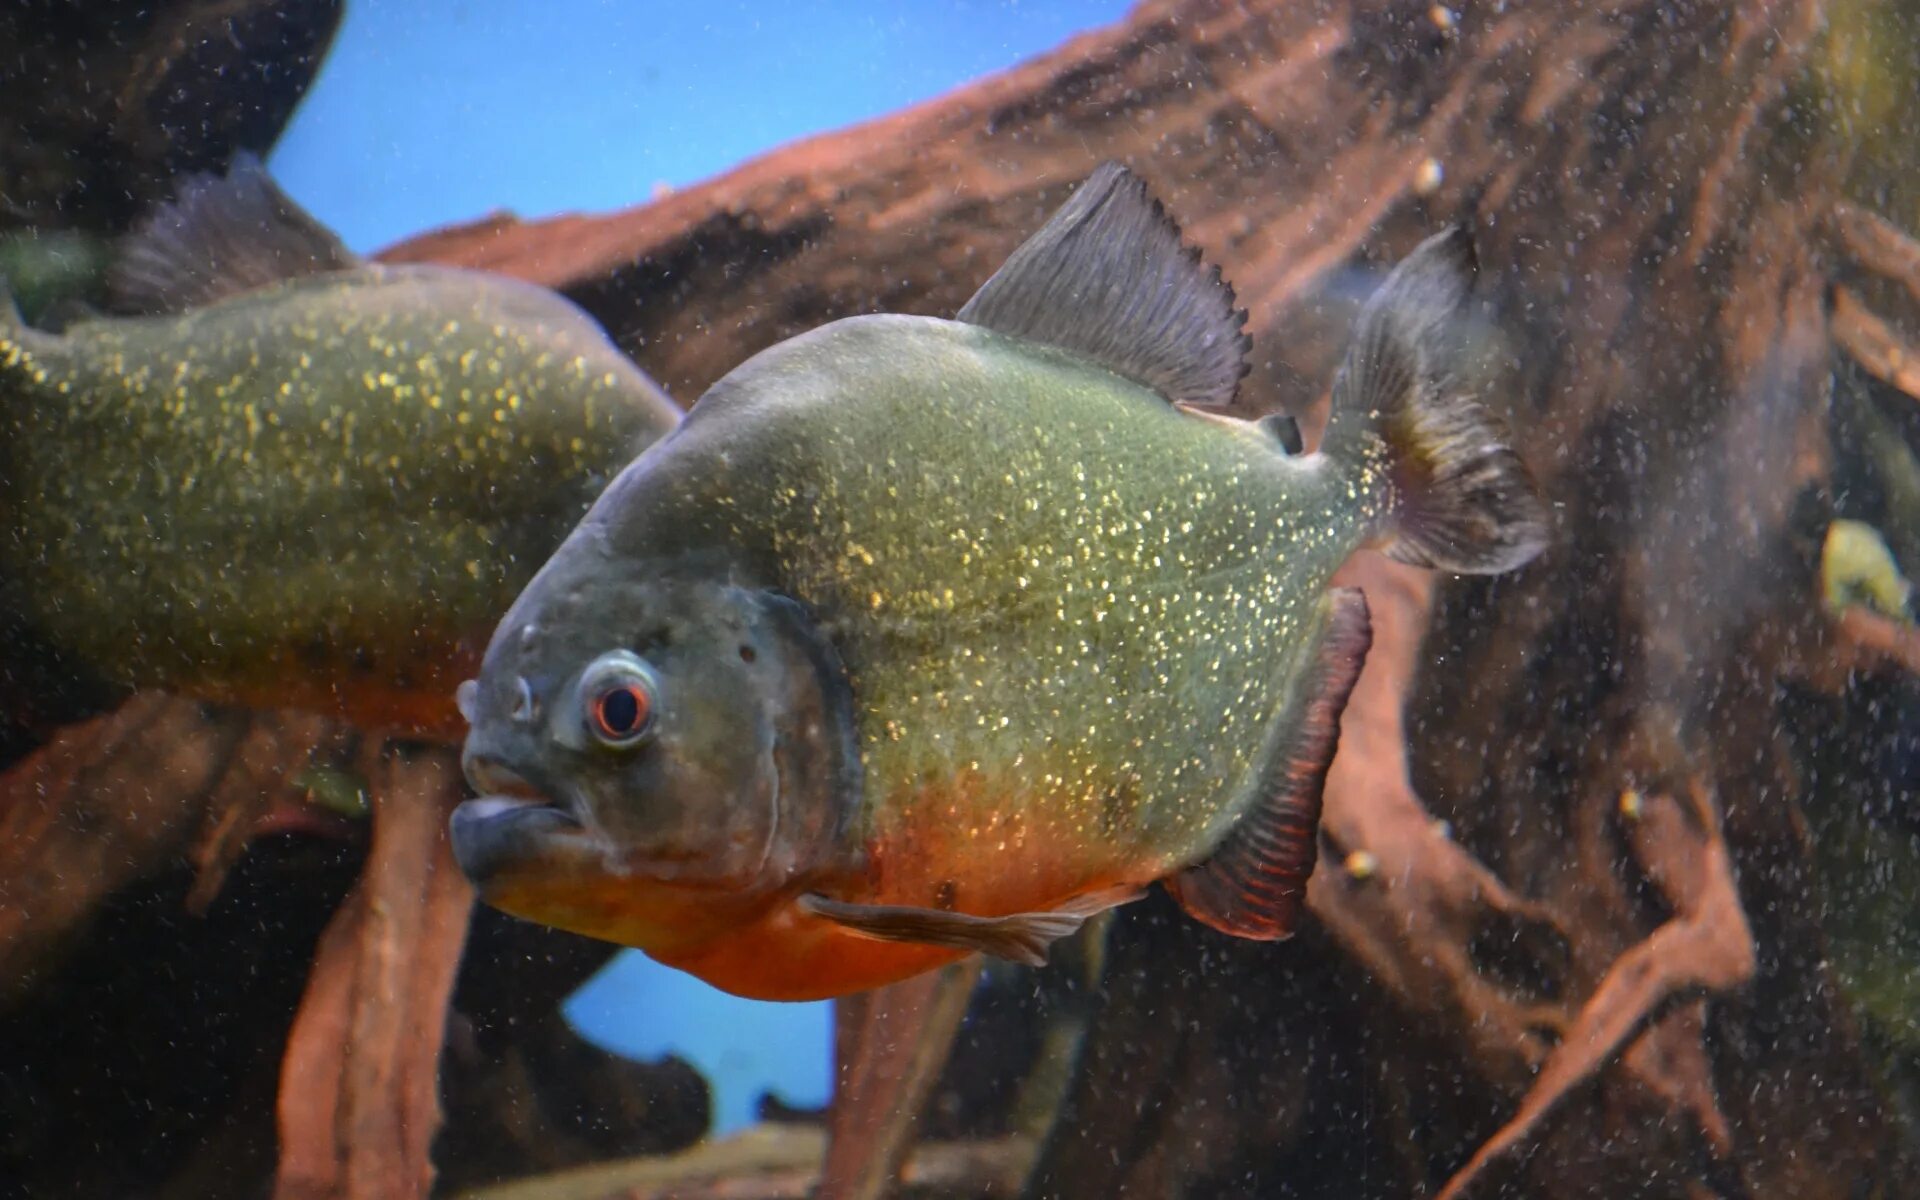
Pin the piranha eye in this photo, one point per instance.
(617, 695)
(621, 712)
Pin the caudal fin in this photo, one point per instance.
(1462, 499)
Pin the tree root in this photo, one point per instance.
(889, 1046)
(1878, 246)
(359, 1093)
(776, 1162)
(1422, 901)
(1874, 344)
(1875, 638)
(1707, 946)
(115, 799)
(1411, 915)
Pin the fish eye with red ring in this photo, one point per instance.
(617, 696)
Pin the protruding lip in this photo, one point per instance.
(490, 777)
(496, 833)
(511, 824)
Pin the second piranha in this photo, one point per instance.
(302, 479)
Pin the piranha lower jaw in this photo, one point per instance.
(498, 837)
(538, 862)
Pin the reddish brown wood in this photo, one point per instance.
(1874, 343)
(359, 1090)
(889, 1046)
(114, 800)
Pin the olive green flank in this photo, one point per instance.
(342, 474)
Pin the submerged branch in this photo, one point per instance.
(777, 1162)
(1880, 637)
(114, 800)
(889, 1046)
(1879, 246)
(359, 1096)
(1874, 344)
(1708, 947)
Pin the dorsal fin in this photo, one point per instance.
(1108, 279)
(221, 236)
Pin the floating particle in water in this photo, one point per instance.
(1428, 176)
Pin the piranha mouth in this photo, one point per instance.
(511, 826)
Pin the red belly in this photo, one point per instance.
(787, 954)
(790, 955)
(952, 854)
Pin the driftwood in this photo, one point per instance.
(778, 1162)
(103, 104)
(142, 1008)
(888, 1048)
(359, 1094)
(116, 799)
(119, 844)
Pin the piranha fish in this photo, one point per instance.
(925, 637)
(306, 480)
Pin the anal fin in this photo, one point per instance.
(1254, 882)
(1017, 937)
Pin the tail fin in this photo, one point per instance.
(1462, 499)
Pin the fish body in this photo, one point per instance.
(1019, 639)
(318, 493)
(1041, 638)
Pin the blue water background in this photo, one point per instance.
(430, 112)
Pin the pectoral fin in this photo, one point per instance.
(1017, 937)
(1253, 884)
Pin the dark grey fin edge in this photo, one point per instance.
(65, 312)
(1108, 279)
(1463, 501)
(17, 338)
(1018, 937)
(1254, 883)
(221, 236)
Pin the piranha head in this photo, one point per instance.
(654, 752)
